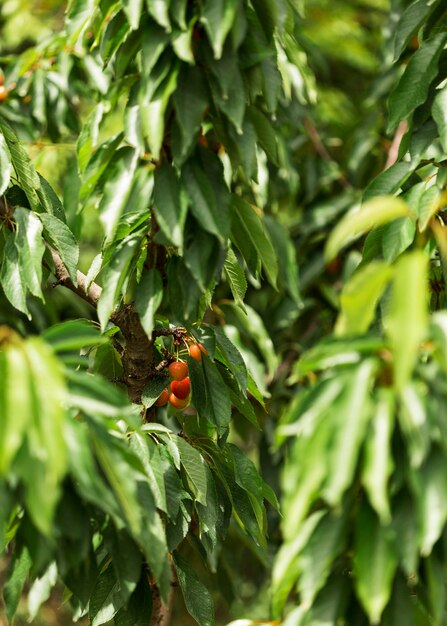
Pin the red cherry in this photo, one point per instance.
(178, 370)
(181, 388)
(177, 403)
(203, 349)
(195, 352)
(162, 398)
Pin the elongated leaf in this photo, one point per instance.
(390, 180)
(16, 578)
(439, 111)
(148, 298)
(133, 9)
(233, 359)
(406, 319)
(190, 101)
(194, 466)
(378, 463)
(11, 278)
(429, 204)
(169, 208)
(62, 239)
(97, 165)
(73, 335)
(41, 589)
(352, 412)
(105, 600)
(412, 89)
(360, 296)
(353, 225)
(117, 189)
(159, 11)
(410, 22)
(30, 247)
(198, 600)
(5, 166)
(152, 390)
(218, 406)
(218, 17)
(247, 223)
(374, 563)
(236, 278)
(114, 276)
(431, 503)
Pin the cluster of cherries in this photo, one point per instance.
(180, 387)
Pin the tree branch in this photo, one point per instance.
(90, 295)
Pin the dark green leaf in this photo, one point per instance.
(15, 581)
(148, 298)
(198, 600)
(63, 241)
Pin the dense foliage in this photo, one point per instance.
(165, 166)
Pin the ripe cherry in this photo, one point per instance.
(195, 352)
(178, 370)
(162, 398)
(203, 349)
(3, 93)
(181, 388)
(177, 403)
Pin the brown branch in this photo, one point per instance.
(161, 612)
(393, 151)
(90, 295)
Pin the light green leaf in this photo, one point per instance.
(170, 210)
(412, 89)
(439, 112)
(73, 335)
(354, 224)
(148, 298)
(115, 274)
(390, 180)
(40, 590)
(374, 563)
(132, 9)
(97, 165)
(30, 247)
(5, 166)
(11, 278)
(351, 415)
(117, 189)
(79, 13)
(429, 204)
(232, 359)
(96, 396)
(396, 237)
(159, 9)
(218, 406)
(248, 224)
(194, 466)
(378, 463)
(88, 137)
(359, 298)
(413, 421)
(64, 242)
(152, 113)
(105, 600)
(198, 600)
(236, 278)
(406, 319)
(431, 501)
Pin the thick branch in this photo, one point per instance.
(90, 295)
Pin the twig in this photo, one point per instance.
(393, 152)
(90, 295)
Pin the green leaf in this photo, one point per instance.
(198, 600)
(152, 111)
(159, 9)
(170, 210)
(30, 247)
(126, 560)
(359, 298)
(412, 89)
(194, 466)
(431, 503)
(409, 23)
(439, 112)
(218, 17)
(117, 188)
(5, 166)
(406, 319)
(218, 406)
(115, 274)
(429, 204)
(232, 359)
(396, 237)
(63, 241)
(73, 335)
(26, 174)
(265, 133)
(11, 278)
(190, 102)
(152, 390)
(16, 578)
(378, 463)
(132, 9)
(351, 415)
(96, 396)
(88, 137)
(148, 298)
(390, 180)
(267, 12)
(40, 590)
(353, 225)
(374, 563)
(97, 165)
(236, 278)
(205, 203)
(105, 599)
(248, 224)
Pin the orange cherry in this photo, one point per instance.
(178, 370)
(162, 398)
(177, 403)
(195, 352)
